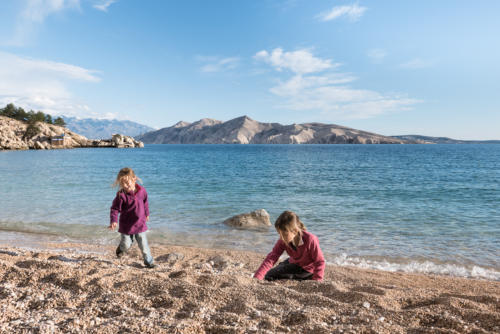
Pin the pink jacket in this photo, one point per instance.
(308, 255)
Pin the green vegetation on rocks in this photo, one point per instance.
(29, 117)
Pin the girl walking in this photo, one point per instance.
(306, 259)
(131, 204)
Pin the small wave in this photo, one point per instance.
(425, 267)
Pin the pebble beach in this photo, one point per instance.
(81, 288)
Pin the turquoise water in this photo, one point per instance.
(420, 208)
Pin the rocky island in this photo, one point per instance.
(18, 135)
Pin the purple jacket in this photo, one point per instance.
(133, 209)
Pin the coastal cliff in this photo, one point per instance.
(17, 135)
(244, 130)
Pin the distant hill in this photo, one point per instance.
(442, 140)
(104, 128)
(244, 130)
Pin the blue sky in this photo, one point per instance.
(390, 67)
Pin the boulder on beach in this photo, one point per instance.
(257, 218)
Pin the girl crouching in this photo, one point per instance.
(306, 260)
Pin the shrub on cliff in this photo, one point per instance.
(31, 131)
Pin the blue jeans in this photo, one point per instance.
(127, 240)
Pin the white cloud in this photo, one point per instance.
(41, 84)
(104, 4)
(215, 64)
(327, 91)
(377, 55)
(352, 12)
(34, 14)
(417, 63)
(299, 83)
(38, 10)
(300, 61)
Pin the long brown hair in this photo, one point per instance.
(125, 172)
(289, 221)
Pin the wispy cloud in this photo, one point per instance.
(35, 12)
(417, 63)
(217, 64)
(300, 61)
(42, 84)
(33, 15)
(377, 55)
(327, 91)
(352, 12)
(38, 10)
(103, 5)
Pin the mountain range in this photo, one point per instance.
(104, 128)
(244, 130)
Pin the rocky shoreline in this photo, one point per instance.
(74, 288)
(14, 136)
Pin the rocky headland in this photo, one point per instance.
(17, 135)
(244, 130)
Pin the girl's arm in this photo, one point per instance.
(318, 260)
(270, 260)
(116, 208)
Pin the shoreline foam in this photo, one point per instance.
(34, 241)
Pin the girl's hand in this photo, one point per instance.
(147, 218)
(113, 225)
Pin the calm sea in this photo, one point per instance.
(417, 208)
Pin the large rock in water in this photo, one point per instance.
(257, 218)
(122, 141)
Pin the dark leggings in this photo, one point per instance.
(287, 270)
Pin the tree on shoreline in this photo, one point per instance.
(30, 117)
(59, 121)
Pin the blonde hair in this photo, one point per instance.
(125, 173)
(289, 221)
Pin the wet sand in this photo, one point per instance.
(73, 288)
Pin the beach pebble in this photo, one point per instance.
(174, 257)
(256, 314)
(8, 252)
(63, 258)
(219, 262)
(366, 305)
(381, 319)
